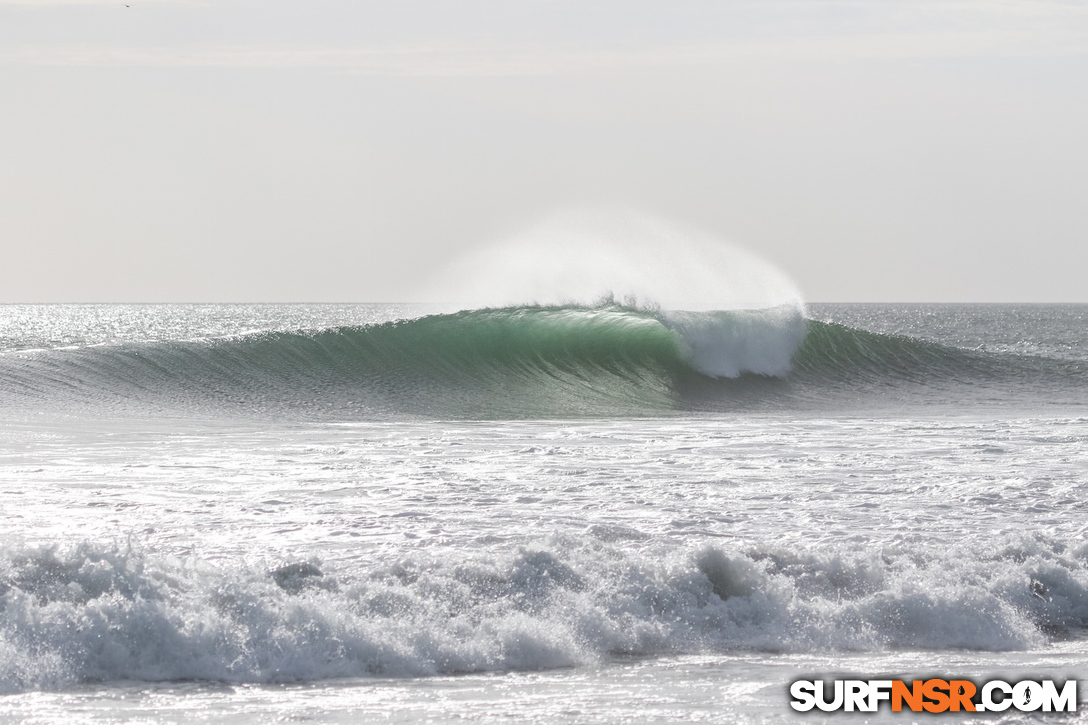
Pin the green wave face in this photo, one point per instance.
(510, 362)
(495, 363)
(539, 362)
(831, 350)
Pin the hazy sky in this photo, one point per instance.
(232, 150)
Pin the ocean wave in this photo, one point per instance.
(89, 612)
(566, 361)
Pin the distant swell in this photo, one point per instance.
(535, 362)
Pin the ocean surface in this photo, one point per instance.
(602, 514)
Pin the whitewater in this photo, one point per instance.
(590, 511)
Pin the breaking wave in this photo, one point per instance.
(92, 612)
(533, 361)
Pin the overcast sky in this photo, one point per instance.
(271, 150)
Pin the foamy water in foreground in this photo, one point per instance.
(210, 515)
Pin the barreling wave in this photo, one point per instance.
(524, 362)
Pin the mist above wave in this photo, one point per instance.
(581, 256)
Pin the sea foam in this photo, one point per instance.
(69, 614)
